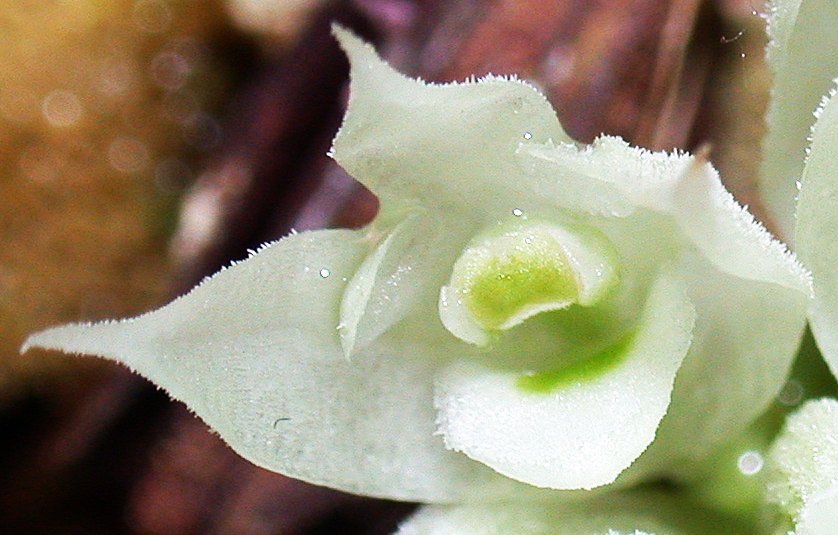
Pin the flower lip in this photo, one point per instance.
(514, 277)
(523, 268)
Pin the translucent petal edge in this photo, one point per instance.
(816, 231)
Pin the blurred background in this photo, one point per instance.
(146, 143)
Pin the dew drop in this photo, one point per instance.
(750, 463)
(798, 184)
(517, 212)
(325, 273)
(527, 135)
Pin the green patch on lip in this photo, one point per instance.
(579, 371)
(520, 272)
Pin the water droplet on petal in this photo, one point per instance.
(798, 184)
(750, 463)
(527, 135)
(517, 212)
(325, 273)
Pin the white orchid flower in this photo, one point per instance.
(523, 312)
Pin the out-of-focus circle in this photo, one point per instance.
(170, 70)
(61, 108)
(128, 154)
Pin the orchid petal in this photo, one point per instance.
(254, 351)
(618, 513)
(802, 55)
(448, 147)
(803, 465)
(683, 187)
(721, 386)
(527, 519)
(401, 277)
(819, 515)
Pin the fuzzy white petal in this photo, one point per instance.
(639, 513)
(802, 56)
(254, 352)
(803, 468)
(817, 229)
(733, 268)
(685, 188)
(745, 337)
(448, 147)
(400, 278)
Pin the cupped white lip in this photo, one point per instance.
(583, 253)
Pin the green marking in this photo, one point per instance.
(580, 371)
(517, 272)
